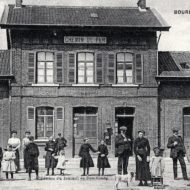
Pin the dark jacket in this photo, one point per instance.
(1, 155)
(121, 145)
(61, 143)
(177, 149)
(103, 161)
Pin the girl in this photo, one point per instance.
(8, 161)
(86, 159)
(102, 157)
(61, 161)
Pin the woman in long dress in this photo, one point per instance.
(142, 152)
(15, 142)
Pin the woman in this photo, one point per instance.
(50, 161)
(15, 142)
(86, 159)
(142, 152)
(102, 157)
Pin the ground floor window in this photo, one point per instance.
(186, 122)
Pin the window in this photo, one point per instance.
(44, 122)
(186, 122)
(85, 68)
(45, 67)
(124, 68)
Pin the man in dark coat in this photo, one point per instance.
(60, 142)
(32, 152)
(142, 152)
(175, 143)
(122, 150)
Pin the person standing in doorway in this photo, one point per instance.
(25, 142)
(175, 143)
(60, 142)
(50, 161)
(15, 142)
(142, 152)
(123, 150)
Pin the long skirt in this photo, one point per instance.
(8, 166)
(50, 161)
(25, 159)
(17, 160)
(86, 161)
(142, 169)
(103, 162)
(32, 163)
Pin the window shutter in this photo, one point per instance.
(99, 68)
(59, 113)
(31, 67)
(71, 68)
(111, 68)
(139, 68)
(31, 120)
(59, 67)
(59, 120)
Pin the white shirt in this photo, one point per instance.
(15, 142)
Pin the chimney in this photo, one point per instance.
(142, 4)
(18, 4)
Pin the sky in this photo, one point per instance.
(177, 39)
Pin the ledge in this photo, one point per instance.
(44, 85)
(41, 140)
(125, 85)
(86, 85)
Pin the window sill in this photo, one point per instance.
(40, 140)
(86, 85)
(125, 85)
(49, 85)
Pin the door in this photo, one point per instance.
(85, 125)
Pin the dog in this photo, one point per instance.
(123, 181)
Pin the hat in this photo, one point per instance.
(85, 139)
(13, 131)
(31, 138)
(27, 132)
(123, 128)
(59, 134)
(156, 148)
(141, 131)
(175, 130)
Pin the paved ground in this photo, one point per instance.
(73, 181)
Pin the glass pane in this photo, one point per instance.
(41, 56)
(49, 56)
(49, 72)
(128, 57)
(89, 57)
(89, 80)
(40, 127)
(129, 66)
(119, 65)
(41, 72)
(41, 64)
(120, 73)
(120, 80)
(129, 73)
(120, 57)
(49, 64)
(81, 72)
(129, 80)
(41, 79)
(89, 72)
(89, 65)
(81, 65)
(81, 56)
(49, 126)
(49, 79)
(80, 79)
(49, 111)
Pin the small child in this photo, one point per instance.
(102, 157)
(61, 161)
(157, 165)
(8, 163)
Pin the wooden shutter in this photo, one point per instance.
(71, 61)
(111, 68)
(99, 68)
(31, 120)
(31, 60)
(139, 68)
(59, 67)
(59, 120)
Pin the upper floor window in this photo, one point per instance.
(124, 68)
(85, 68)
(44, 67)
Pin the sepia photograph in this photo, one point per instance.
(94, 94)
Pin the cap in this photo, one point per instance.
(27, 132)
(13, 131)
(175, 130)
(85, 139)
(141, 131)
(123, 128)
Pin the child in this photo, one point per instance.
(8, 161)
(61, 161)
(102, 157)
(157, 165)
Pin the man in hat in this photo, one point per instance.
(122, 150)
(60, 142)
(25, 142)
(175, 143)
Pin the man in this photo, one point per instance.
(122, 150)
(25, 142)
(60, 142)
(175, 143)
(32, 152)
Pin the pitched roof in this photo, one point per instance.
(82, 16)
(173, 64)
(4, 63)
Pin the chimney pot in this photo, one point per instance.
(18, 3)
(142, 4)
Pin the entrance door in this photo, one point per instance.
(85, 125)
(186, 129)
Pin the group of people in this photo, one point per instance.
(146, 168)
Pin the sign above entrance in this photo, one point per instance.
(84, 40)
